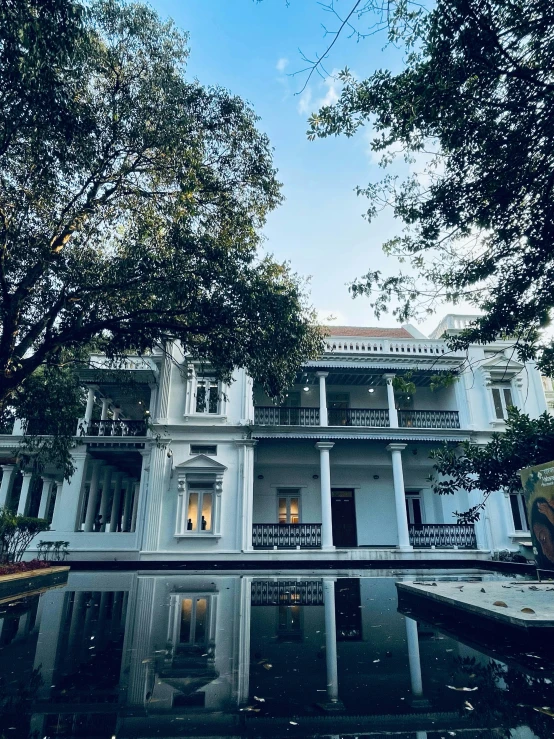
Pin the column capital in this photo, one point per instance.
(8, 467)
(322, 374)
(389, 376)
(27, 473)
(396, 447)
(246, 442)
(324, 445)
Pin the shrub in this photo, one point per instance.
(16, 533)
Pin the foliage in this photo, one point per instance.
(130, 215)
(53, 551)
(16, 533)
(494, 466)
(474, 108)
(13, 568)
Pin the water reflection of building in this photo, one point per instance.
(136, 654)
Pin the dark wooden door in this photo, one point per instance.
(344, 518)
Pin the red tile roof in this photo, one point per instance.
(384, 333)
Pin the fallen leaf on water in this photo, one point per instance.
(544, 709)
(462, 690)
(376, 660)
(250, 708)
(500, 603)
(267, 666)
(527, 610)
(468, 706)
(294, 723)
(483, 590)
(260, 700)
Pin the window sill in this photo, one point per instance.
(201, 535)
(205, 417)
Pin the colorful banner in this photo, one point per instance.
(538, 487)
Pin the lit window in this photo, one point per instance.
(502, 400)
(519, 512)
(289, 508)
(199, 509)
(414, 507)
(207, 395)
(194, 621)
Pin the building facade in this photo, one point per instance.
(172, 464)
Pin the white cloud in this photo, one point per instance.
(305, 104)
(308, 103)
(282, 64)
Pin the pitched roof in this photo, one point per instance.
(384, 333)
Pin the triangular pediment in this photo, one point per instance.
(496, 364)
(201, 462)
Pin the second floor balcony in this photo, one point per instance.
(358, 417)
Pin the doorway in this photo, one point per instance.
(343, 509)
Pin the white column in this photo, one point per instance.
(325, 480)
(136, 494)
(18, 427)
(157, 482)
(24, 496)
(105, 406)
(105, 495)
(116, 413)
(127, 504)
(93, 494)
(393, 415)
(331, 640)
(400, 496)
(413, 657)
(90, 405)
(47, 485)
(246, 486)
(116, 504)
(68, 495)
(323, 421)
(5, 486)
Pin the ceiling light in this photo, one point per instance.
(371, 390)
(306, 389)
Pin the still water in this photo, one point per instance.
(203, 655)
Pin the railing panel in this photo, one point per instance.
(429, 419)
(286, 535)
(443, 535)
(275, 416)
(368, 417)
(287, 592)
(116, 428)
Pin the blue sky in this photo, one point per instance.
(252, 48)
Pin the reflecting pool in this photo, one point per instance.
(128, 654)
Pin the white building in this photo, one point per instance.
(339, 471)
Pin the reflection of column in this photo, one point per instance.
(139, 665)
(243, 677)
(75, 636)
(246, 486)
(400, 497)
(6, 484)
(68, 496)
(331, 640)
(325, 480)
(415, 664)
(24, 496)
(115, 516)
(50, 625)
(323, 421)
(105, 498)
(393, 415)
(47, 485)
(93, 494)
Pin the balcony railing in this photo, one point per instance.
(116, 428)
(286, 535)
(287, 593)
(274, 416)
(429, 419)
(443, 535)
(376, 417)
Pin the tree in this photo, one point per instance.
(475, 101)
(496, 465)
(131, 202)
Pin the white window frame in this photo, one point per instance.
(186, 486)
(501, 389)
(195, 379)
(174, 623)
(289, 493)
(410, 495)
(522, 512)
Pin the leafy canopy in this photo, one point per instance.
(131, 202)
(496, 465)
(474, 107)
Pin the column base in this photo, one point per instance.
(328, 549)
(408, 548)
(331, 706)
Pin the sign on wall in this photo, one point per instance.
(538, 488)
